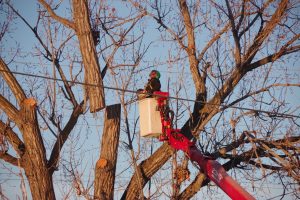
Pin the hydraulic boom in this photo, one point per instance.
(214, 170)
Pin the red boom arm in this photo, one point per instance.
(214, 170)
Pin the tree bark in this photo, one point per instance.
(94, 88)
(106, 165)
(34, 159)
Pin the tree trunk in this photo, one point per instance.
(106, 165)
(34, 159)
(94, 88)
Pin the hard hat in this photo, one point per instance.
(157, 74)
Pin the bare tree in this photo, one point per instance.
(227, 52)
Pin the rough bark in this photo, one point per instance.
(31, 151)
(106, 165)
(94, 88)
(34, 159)
(12, 82)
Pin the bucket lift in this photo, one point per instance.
(156, 121)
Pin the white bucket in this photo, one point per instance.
(150, 122)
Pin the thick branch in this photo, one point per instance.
(265, 166)
(194, 187)
(9, 158)
(92, 74)
(13, 138)
(63, 136)
(10, 110)
(106, 165)
(273, 57)
(62, 20)
(12, 82)
(191, 49)
(266, 31)
(237, 53)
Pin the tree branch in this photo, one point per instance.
(62, 20)
(194, 187)
(13, 138)
(266, 31)
(63, 136)
(237, 53)
(273, 57)
(12, 82)
(11, 111)
(9, 158)
(265, 166)
(191, 49)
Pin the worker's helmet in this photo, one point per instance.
(155, 73)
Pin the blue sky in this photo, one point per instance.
(91, 141)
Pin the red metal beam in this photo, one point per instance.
(211, 168)
(218, 175)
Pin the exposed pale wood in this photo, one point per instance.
(101, 163)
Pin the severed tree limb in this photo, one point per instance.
(92, 74)
(62, 20)
(34, 159)
(106, 165)
(13, 138)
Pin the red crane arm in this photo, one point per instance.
(214, 170)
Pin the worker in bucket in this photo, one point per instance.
(153, 85)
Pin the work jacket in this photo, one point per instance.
(152, 85)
